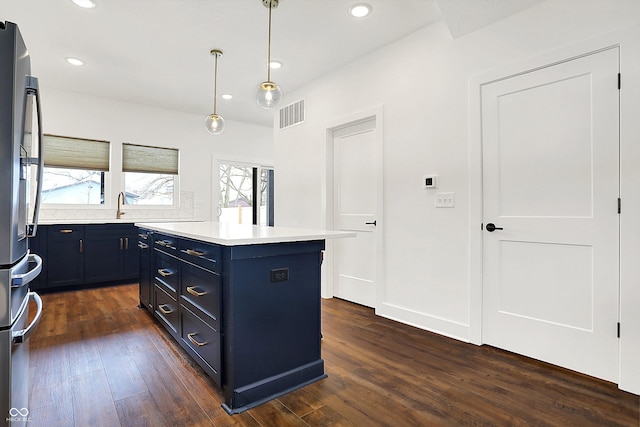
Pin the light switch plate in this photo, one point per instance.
(445, 200)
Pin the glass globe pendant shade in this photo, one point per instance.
(214, 124)
(268, 95)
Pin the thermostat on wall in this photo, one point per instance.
(430, 181)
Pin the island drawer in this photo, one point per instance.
(203, 254)
(166, 243)
(167, 310)
(166, 271)
(200, 289)
(202, 340)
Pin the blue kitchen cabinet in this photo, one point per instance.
(110, 253)
(64, 255)
(85, 255)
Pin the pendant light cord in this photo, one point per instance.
(269, 46)
(215, 85)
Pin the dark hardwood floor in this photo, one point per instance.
(98, 360)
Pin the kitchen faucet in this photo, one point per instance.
(120, 213)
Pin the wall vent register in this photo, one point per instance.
(292, 114)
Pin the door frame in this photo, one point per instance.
(475, 160)
(328, 194)
(628, 41)
(216, 160)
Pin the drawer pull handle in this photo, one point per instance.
(164, 310)
(164, 272)
(165, 243)
(66, 231)
(194, 252)
(192, 290)
(194, 341)
(142, 245)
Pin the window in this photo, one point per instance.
(240, 186)
(149, 174)
(74, 170)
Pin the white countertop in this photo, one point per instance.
(234, 234)
(124, 220)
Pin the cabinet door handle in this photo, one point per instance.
(164, 272)
(192, 290)
(121, 244)
(66, 231)
(164, 310)
(126, 243)
(193, 340)
(81, 246)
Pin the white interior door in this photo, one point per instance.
(551, 184)
(355, 202)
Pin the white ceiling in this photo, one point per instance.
(156, 52)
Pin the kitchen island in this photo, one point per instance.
(243, 301)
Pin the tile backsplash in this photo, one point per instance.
(185, 211)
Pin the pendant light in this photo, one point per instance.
(269, 93)
(214, 122)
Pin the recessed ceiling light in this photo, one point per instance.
(275, 65)
(226, 96)
(74, 61)
(360, 10)
(87, 4)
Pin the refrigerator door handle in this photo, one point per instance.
(20, 280)
(33, 89)
(18, 337)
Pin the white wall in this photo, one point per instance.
(71, 114)
(422, 81)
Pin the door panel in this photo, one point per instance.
(356, 201)
(550, 181)
(548, 152)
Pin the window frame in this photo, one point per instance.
(107, 179)
(176, 179)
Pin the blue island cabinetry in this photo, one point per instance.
(248, 314)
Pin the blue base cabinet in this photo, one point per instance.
(85, 255)
(272, 321)
(249, 315)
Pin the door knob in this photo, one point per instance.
(491, 227)
(371, 223)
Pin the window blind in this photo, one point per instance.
(75, 153)
(142, 158)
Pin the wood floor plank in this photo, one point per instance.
(97, 352)
(59, 414)
(92, 401)
(276, 414)
(51, 373)
(140, 410)
(170, 395)
(122, 372)
(303, 401)
(327, 417)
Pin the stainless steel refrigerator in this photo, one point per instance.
(18, 95)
